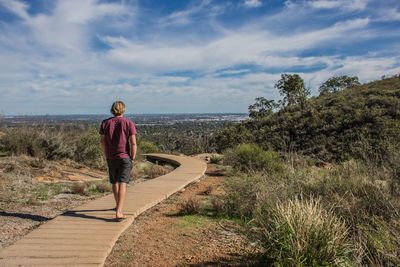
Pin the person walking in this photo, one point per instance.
(118, 143)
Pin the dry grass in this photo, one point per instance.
(80, 189)
(304, 233)
(157, 170)
(189, 206)
(359, 193)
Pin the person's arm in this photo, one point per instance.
(133, 146)
(103, 144)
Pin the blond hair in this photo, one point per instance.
(117, 108)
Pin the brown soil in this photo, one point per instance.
(162, 237)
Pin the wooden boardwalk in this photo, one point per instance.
(85, 236)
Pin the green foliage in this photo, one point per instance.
(241, 195)
(88, 146)
(252, 158)
(314, 216)
(336, 84)
(382, 242)
(191, 137)
(262, 108)
(291, 87)
(38, 142)
(215, 159)
(330, 127)
(148, 147)
(52, 143)
(54, 146)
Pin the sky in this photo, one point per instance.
(186, 56)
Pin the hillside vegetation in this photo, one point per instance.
(330, 127)
(308, 214)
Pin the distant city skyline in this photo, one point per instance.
(194, 56)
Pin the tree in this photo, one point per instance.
(336, 84)
(291, 87)
(262, 108)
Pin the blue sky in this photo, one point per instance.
(78, 56)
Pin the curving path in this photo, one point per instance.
(85, 236)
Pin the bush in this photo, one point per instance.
(302, 233)
(241, 195)
(54, 146)
(189, 206)
(251, 158)
(88, 146)
(148, 147)
(358, 195)
(80, 189)
(157, 170)
(215, 159)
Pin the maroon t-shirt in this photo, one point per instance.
(117, 131)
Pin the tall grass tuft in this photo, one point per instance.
(302, 233)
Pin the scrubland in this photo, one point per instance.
(303, 215)
(317, 182)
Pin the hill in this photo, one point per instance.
(330, 127)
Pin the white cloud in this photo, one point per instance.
(230, 49)
(67, 27)
(17, 7)
(391, 14)
(252, 3)
(346, 5)
(183, 17)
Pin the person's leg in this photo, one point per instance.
(123, 178)
(121, 198)
(115, 189)
(113, 173)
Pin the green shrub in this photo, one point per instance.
(20, 141)
(252, 158)
(40, 142)
(302, 233)
(241, 195)
(88, 147)
(54, 146)
(215, 159)
(148, 147)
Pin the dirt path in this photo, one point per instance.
(161, 237)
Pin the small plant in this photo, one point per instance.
(302, 233)
(241, 195)
(215, 159)
(189, 206)
(157, 170)
(80, 189)
(217, 204)
(101, 187)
